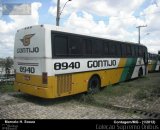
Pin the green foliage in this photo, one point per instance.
(6, 88)
(116, 90)
(148, 92)
(85, 98)
(141, 95)
(155, 91)
(6, 64)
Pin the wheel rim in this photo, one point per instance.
(94, 85)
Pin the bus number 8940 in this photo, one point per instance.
(27, 69)
(65, 65)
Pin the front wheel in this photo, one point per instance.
(94, 85)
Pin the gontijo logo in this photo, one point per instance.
(26, 39)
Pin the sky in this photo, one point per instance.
(113, 19)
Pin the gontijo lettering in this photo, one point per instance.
(28, 50)
(101, 63)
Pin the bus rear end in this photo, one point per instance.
(31, 54)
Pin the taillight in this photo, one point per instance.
(44, 78)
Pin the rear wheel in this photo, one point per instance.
(94, 85)
(140, 73)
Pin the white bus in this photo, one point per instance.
(52, 62)
(153, 62)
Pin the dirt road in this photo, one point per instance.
(21, 106)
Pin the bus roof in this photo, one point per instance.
(65, 30)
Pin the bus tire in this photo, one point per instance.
(140, 72)
(94, 84)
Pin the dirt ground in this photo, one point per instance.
(21, 106)
(15, 105)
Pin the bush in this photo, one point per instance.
(6, 88)
(86, 98)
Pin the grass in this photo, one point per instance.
(143, 88)
(147, 88)
(85, 98)
(6, 88)
(150, 92)
(116, 90)
(150, 88)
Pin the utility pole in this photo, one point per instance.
(58, 13)
(139, 33)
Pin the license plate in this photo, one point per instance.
(27, 77)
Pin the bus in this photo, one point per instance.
(153, 62)
(52, 62)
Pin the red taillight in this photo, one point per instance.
(44, 78)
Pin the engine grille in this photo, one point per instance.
(64, 84)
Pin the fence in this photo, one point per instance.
(7, 79)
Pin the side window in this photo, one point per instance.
(87, 44)
(118, 49)
(97, 48)
(133, 50)
(105, 48)
(129, 53)
(75, 47)
(60, 45)
(136, 50)
(123, 46)
(149, 56)
(112, 49)
(140, 51)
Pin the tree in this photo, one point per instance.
(6, 65)
(2, 65)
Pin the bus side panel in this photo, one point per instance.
(152, 66)
(157, 66)
(80, 80)
(128, 69)
(149, 67)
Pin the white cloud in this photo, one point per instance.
(0, 10)
(8, 29)
(99, 7)
(152, 18)
(119, 20)
(85, 24)
(113, 8)
(121, 24)
(115, 28)
(21, 9)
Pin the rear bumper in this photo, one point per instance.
(40, 91)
